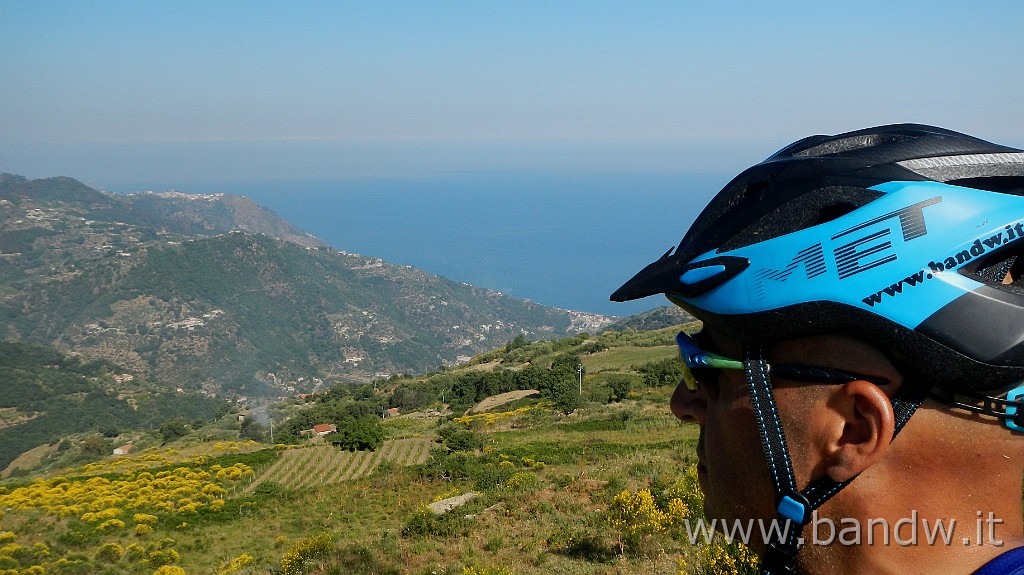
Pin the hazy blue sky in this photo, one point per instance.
(183, 91)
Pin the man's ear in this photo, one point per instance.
(864, 425)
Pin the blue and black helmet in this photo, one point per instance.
(906, 236)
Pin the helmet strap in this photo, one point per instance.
(795, 507)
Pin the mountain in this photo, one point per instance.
(218, 294)
(657, 318)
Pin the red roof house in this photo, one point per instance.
(324, 428)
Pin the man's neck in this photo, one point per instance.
(954, 541)
(952, 560)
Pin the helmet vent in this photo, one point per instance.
(972, 170)
(809, 209)
(999, 272)
(835, 211)
(1003, 269)
(850, 144)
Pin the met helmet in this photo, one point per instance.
(905, 235)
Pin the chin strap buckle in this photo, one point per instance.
(779, 559)
(1015, 414)
(795, 506)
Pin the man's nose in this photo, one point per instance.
(689, 405)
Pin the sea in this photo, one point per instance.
(562, 240)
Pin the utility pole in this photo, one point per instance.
(579, 371)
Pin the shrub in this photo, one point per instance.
(134, 552)
(111, 525)
(620, 386)
(637, 516)
(722, 558)
(109, 553)
(522, 481)
(363, 559)
(305, 552)
(237, 564)
(163, 557)
(582, 541)
(425, 523)
(457, 439)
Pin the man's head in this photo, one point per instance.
(840, 429)
(851, 276)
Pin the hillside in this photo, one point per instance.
(45, 395)
(657, 318)
(602, 489)
(215, 294)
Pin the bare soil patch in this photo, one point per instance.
(501, 399)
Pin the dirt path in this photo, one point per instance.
(501, 399)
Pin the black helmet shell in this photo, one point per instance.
(970, 336)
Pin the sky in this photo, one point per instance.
(219, 95)
(203, 91)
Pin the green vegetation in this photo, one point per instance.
(45, 395)
(557, 492)
(164, 286)
(590, 474)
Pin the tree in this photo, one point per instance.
(565, 394)
(620, 385)
(664, 372)
(357, 434)
(564, 382)
(173, 429)
(93, 445)
(518, 342)
(252, 429)
(456, 438)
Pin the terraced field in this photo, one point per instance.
(325, 464)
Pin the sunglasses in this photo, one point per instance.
(697, 363)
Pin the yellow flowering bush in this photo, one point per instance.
(159, 457)
(722, 558)
(163, 557)
(111, 525)
(305, 552)
(636, 516)
(489, 419)
(133, 552)
(237, 564)
(109, 552)
(532, 463)
(98, 500)
(521, 481)
(100, 516)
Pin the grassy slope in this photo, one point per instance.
(532, 518)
